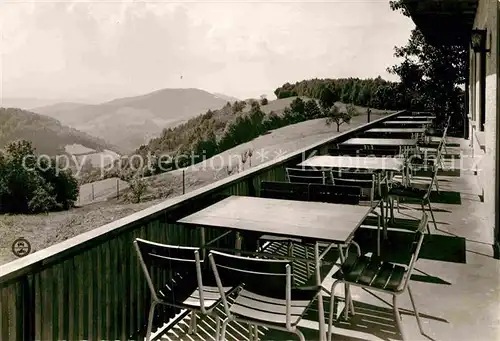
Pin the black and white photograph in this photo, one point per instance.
(249, 170)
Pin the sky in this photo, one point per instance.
(94, 51)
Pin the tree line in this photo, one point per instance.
(373, 92)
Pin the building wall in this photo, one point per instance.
(486, 18)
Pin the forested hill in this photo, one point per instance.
(373, 92)
(47, 134)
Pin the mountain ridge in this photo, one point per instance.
(46, 133)
(129, 122)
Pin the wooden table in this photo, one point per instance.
(410, 122)
(317, 221)
(397, 130)
(334, 223)
(362, 162)
(416, 117)
(365, 141)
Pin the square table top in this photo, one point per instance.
(365, 141)
(360, 162)
(416, 117)
(396, 130)
(412, 122)
(303, 219)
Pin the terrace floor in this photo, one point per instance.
(455, 281)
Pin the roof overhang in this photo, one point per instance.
(443, 22)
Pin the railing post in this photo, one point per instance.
(183, 181)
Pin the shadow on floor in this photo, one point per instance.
(373, 320)
(397, 247)
(420, 276)
(443, 197)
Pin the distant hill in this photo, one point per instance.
(132, 121)
(57, 108)
(47, 134)
(183, 136)
(226, 98)
(26, 103)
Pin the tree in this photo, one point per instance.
(334, 115)
(430, 75)
(298, 107)
(137, 189)
(327, 97)
(272, 121)
(238, 106)
(312, 110)
(263, 100)
(31, 184)
(351, 110)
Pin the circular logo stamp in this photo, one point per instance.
(21, 247)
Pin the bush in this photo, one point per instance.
(30, 187)
(137, 189)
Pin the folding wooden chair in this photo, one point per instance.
(267, 297)
(363, 179)
(306, 175)
(189, 284)
(420, 194)
(373, 274)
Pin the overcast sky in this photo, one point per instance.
(100, 50)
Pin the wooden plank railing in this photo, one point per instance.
(90, 287)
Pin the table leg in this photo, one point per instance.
(237, 245)
(378, 235)
(202, 240)
(321, 309)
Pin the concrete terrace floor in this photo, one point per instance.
(455, 282)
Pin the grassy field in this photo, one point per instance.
(100, 191)
(45, 230)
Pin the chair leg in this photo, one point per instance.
(150, 320)
(423, 210)
(256, 333)
(308, 266)
(351, 302)
(217, 327)
(192, 323)
(417, 316)
(397, 316)
(300, 334)
(223, 330)
(332, 308)
(432, 215)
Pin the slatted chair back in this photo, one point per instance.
(345, 151)
(416, 247)
(180, 266)
(379, 152)
(335, 194)
(265, 277)
(363, 179)
(284, 190)
(306, 175)
(311, 192)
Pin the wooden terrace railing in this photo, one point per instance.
(90, 287)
